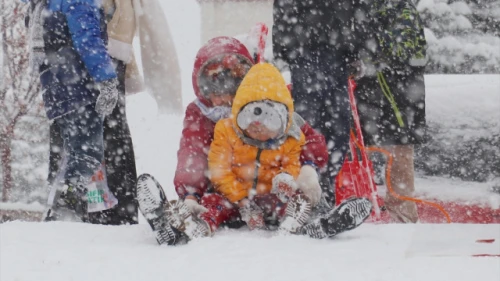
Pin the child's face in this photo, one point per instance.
(221, 100)
(260, 132)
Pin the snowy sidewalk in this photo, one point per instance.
(69, 251)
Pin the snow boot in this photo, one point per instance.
(172, 222)
(347, 216)
(181, 218)
(152, 204)
(70, 203)
(297, 213)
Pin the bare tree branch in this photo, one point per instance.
(20, 88)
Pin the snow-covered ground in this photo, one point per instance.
(70, 251)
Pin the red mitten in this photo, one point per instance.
(252, 215)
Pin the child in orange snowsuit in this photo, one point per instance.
(254, 158)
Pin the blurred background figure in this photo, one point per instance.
(80, 89)
(318, 40)
(391, 96)
(126, 18)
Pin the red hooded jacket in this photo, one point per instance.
(197, 135)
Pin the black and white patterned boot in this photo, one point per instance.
(152, 204)
(69, 204)
(297, 213)
(347, 216)
(181, 218)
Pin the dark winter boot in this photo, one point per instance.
(324, 206)
(297, 213)
(347, 216)
(70, 202)
(180, 217)
(152, 204)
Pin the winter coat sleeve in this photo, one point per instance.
(192, 164)
(400, 32)
(314, 151)
(291, 160)
(83, 17)
(220, 165)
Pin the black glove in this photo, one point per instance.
(108, 96)
(356, 69)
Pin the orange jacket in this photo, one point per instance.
(237, 167)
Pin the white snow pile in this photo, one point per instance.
(70, 251)
(458, 41)
(463, 116)
(465, 105)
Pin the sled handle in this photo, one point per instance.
(358, 140)
(351, 86)
(261, 47)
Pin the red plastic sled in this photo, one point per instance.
(356, 179)
(356, 176)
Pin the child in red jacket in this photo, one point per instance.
(219, 68)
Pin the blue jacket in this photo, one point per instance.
(76, 57)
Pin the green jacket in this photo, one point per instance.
(400, 33)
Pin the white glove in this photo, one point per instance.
(308, 183)
(106, 101)
(284, 186)
(195, 207)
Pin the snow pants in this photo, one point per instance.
(222, 212)
(319, 90)
(119, 161)
(81, 138)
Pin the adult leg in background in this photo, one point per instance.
(119, 162)
(402, 182)
(382, 128)
(78, 136)
(81, 131)
(56, 146)
(321, 98)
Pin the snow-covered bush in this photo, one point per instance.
(463, 36)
